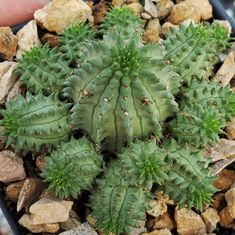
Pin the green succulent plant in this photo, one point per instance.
(116, 205)
(144, 164)
(194, 50)
(73, 38)
(72, 168)
(123, 94)
(190, 181)
(43, 69)
(34, 121)
(212, 94)
(128, 97)
(197, 125)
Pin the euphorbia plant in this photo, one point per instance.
(122, 95)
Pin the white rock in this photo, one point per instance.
(7, 79)
(157, 208)
(84, 229)
(50, 210)
(189, 223)
(27, 38)
(59, 14)
(230, 198)
(26, 221)
(12, 168)
(150, 8)
(227, 70)
(145, 16)
(211, 218)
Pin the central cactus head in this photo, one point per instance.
(118, 94)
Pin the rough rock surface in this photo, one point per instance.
(59, 14)
(136, 7)
(189, 223)
(163, 221)
(26, 221)
(203, 7)
(51, 39)
(50, 210)
(98, 11)
(152, 31)
(8, 43)
(71, 222)
(224, 179)
(211, 218)
(164, 231)
(224, 149)
(40, 162)
(7, 79)
(218, 200)
(227, 70)
(164, 8)
(183, 11)
(29, 193)
(225, 218)
(13, 191)
(12, 168)
(150, 8)
(84, 229)
(158, 208)
(230, 198)
(230, 129)
(166, 27)
(27, 38)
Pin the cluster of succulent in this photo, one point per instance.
(150, 109)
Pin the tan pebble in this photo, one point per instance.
(218, 200)
(51, 39)
(12, 168)
(181, 12)
(57, 15)
(136, 7)
(29, 193)
(99, 10)
(164, 8)
(50, 210)
(224, 179)
(211, 218)
(225, 218)
(230, 198)
(163, 221)
(8, 43)
(40, 162)
(188, 222)
(13, 191)
(157, 208)
(26, 221)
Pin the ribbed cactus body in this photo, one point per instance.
(116, 96)
(213, 95)
(32, 122)
(197, 125)
(43, 69)
(144, 164)
(73, 39)
(190, 181)
(72, 168)
(116, 205)
(194, 50)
